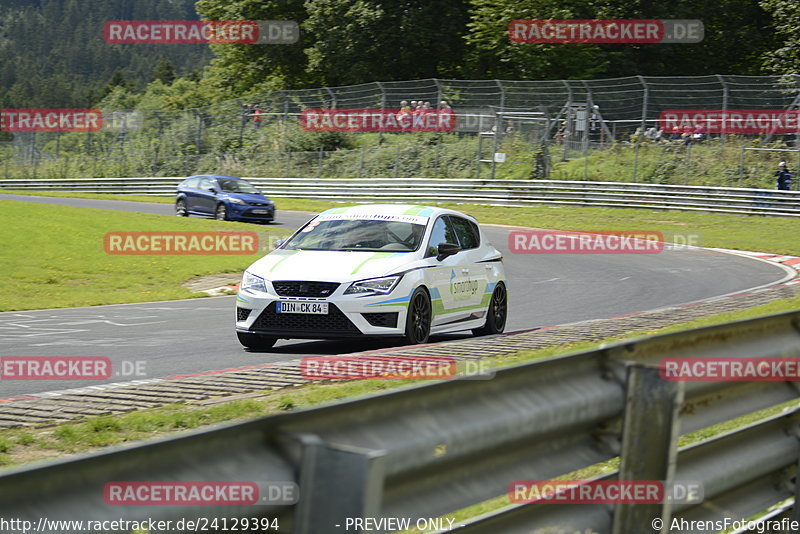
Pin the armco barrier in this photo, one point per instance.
(429, 450)
(494, 192)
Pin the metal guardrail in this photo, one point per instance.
(433, 449)
(494, 192)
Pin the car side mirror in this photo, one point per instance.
(279, 243)
(211, 188)
(447, 249)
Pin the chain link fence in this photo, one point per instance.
(557, 129)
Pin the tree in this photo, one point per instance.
(784, 56)
(368, 40)
(244, 69)
(164, 72)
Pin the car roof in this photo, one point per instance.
(395, 209)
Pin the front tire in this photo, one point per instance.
(497, 313)
(256, 341)
(418, 318)
(180, 209)
(221, 213)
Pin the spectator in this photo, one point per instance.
(246, 111)
(405, 110)
(686, 136)
(676, 134)
(256, 116)
(698, 136)
(653, 134)
(784, 177)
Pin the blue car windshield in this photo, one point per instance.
(358, 235)
(237, 186)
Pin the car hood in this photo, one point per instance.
(323, 265)
(248, 197)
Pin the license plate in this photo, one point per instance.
(312, 308)
(259, 212)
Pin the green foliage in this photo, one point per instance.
(785, 57)
(52, 53)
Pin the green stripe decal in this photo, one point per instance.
(376, 256)
(286, 255)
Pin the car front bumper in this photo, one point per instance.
(348, 315)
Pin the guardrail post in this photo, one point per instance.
(649, 443)
(336, 483)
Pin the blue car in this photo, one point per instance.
(226, 198)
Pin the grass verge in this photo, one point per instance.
(53, 257)
(740, 232)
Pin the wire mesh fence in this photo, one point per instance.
(572, 129)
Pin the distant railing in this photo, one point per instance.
(492, 192)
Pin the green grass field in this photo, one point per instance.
(53, 257)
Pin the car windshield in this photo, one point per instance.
(237, 186)
(358, 234)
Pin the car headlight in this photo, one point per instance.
(373, 286)
(236, 200)
(253, 282)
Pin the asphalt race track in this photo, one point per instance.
(196, 335)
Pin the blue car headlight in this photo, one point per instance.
(253, 283)
(234, 200)
(373, 286)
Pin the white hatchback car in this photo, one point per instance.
(375, 270)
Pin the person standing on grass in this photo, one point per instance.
(784, 177)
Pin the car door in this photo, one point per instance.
(469, 239)
(205, 198)
(448, 278)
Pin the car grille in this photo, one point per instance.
(334, 322)
(242, 313)
(258, 204)
(291, 288)
(388, 320)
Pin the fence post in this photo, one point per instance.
(336, 483)
(724, 104)
(650, 434)
(332, 95)
(741, 167)
(645, 101)
(568, 107)
(319, 166)
(439, 92)
(688, 161)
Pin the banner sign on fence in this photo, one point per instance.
(731, 120)
(377, 120)
(605, 31)
(50, 120)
